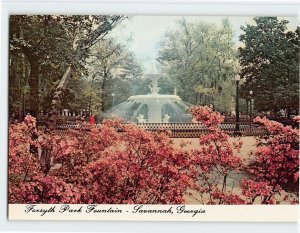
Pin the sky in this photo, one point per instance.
(143, 34)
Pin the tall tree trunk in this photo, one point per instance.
(57, 98)
(33, 82)
(103, 93)
(90, 98)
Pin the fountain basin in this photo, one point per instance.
(153, 108)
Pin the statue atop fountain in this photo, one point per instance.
(141, 119)
(166, 118)
(154, 78)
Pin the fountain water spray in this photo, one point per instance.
(153, 107)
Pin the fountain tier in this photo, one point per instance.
(153, 108)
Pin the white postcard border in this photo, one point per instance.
(104, 212)
(7, 219)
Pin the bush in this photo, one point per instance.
(120, 163)
(275, 163)
(97, 165)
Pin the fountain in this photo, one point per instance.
(153, 107)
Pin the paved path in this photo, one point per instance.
(248, 145)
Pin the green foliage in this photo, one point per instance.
(270, 64)
(223, 100)
(112, 68)
(41, 49)
(197, 55)
(39, 52)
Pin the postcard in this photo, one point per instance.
(153, 118)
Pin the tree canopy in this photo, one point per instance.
(270, 64)
(59, 61)
(39, 53)
(46, 52)
(199, 58)
(112, 65)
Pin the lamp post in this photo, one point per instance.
(251, 93)
(237, 110)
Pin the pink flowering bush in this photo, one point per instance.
(215, 159)
(114, 163)
(119, 163)
(256, 189)
(143, 169)
(276, 162)
(45, 189)
(297, 119)
(22, 163)
(207, 116)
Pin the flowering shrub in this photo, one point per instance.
(297, 119)
(252, 189)
(225, 198)
(45, 189)
(119, 163)
(276, 162)
(144, 169)
(97, 165)
(207, 116)
(22, 163)
(215, 159)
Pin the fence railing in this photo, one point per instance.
(192, 130)
(184, 130)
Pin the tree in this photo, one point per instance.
(86, 37)
(111, 64)
(270, 64)
(78, 94)
(39, 50)
(196, 55)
